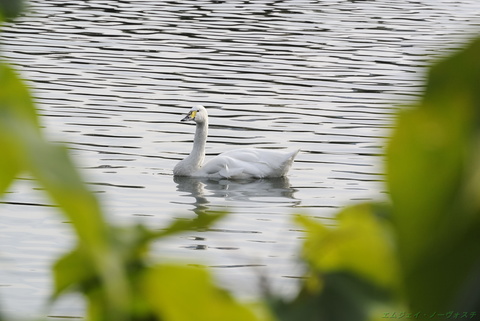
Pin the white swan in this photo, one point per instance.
(236, 164)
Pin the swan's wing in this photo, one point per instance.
(250, 155)
(269, 160)
(223, 166)
(245, 163)
(212, 168)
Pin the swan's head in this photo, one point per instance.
(198, 114)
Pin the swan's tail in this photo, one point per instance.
(288, 162)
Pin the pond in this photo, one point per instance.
(112, 79)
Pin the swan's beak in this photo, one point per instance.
(190, 116)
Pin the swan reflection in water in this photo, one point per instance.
(248, 190)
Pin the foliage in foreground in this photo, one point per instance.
(417, 257)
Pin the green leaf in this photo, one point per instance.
(433, 172)
(359, 243)
(15, 99)
(16, 111)
(342, 297)
(9, 168)
(10, 9)
(178, 293)
(353, 271)
(73, 270)
(202, 221)
(78, 270)
(26, 149)
(52, 167)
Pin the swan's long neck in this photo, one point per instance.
(198, 151)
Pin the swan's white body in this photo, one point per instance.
(236, 164)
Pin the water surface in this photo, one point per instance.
(112, 79)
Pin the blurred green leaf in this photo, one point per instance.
(77, 272)
(10, 9)
(16, 108)
(130, 245)
(74, 270)
(360, 243)
(15, 100)
(353, 271)
(9, 167)
(52, 167)
(178, 293)
(201, 221)
(433, 171)
(27, 150)
(343, 296)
